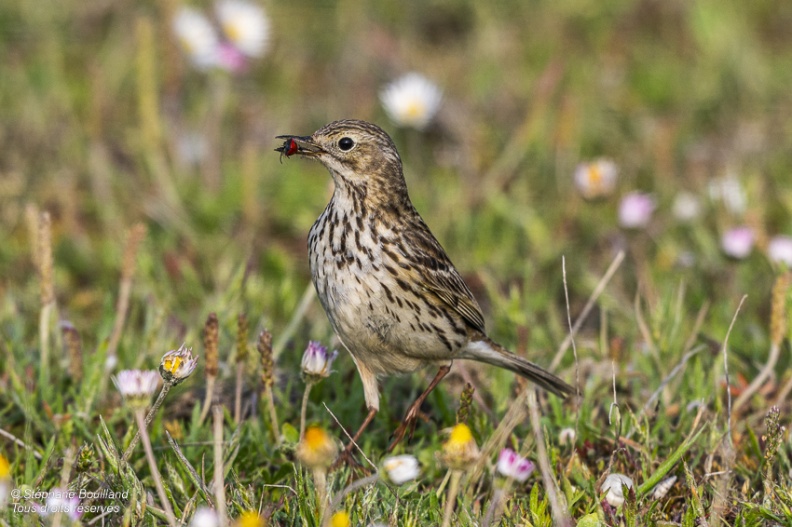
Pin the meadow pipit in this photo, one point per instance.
(390, 291)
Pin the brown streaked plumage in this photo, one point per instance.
(390, 291)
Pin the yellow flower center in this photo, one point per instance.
(5, 468)
(415, 110)
(172, 364)
(250, 519)
(460, 435)
(315, 438)
(595, 175)
(232, 31)
(340, 519)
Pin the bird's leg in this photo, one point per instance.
(409, 418)
(346, 454)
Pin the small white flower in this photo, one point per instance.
(635, 210)
(137, 386)
(196, 36)
(401, 469)
(612, 486)
(204, 517)
(597, 178)
(687, 207)
(738, 242)
(316, 361)
(192, 148)
(511, 465)
(177, 365)
(411, 101)
(59, 500)
(567, 436)
(779, 250)
(245, 25)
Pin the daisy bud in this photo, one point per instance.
(316, 360)
(401, 469)
(612, 486)
(460, 450)
(137, 386)
(686, 207)
(511, 465)
(596, 179)
(340, 519)
(635, 210)
(738, 242)
(177, 365)
(316, 449)
(411, 101)
(567, 436)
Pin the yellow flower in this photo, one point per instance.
(177, 365)
(460, 450)
(316, 449)
(5, 468)
(340, 519)
(250, 519)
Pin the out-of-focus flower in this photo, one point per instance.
(196, 36)
(316, 449)
(205, 517)
(250, 519)
(512, 465)
(461, 449)
(738, 242)
(567, 436)
(230, 58)
(5, 480)
(59, 500)
(191, 148)
(612, 486)
(686, 207)
(411, 100)
(663, 487)
(729, 191)
(177, 365)
(779, 250)
(316, 361)
(245, 25)
(340, 519)
(401, 469)
(596, 179)
(635, 210)
(137, 386)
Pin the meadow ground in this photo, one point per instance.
(139, 193)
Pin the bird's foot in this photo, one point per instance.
(406, 427)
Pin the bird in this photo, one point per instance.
(389, 289)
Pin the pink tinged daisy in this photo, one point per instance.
(738, 242)
(137, 386)
(597, 178)
(511, 465)
(245, 26)
(411, 101)
(316, 360)
(779, 250)
(635, 210)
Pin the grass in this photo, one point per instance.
(98, 103)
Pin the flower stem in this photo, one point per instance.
(149, 417)
(308, 385)
(155, 475)
(320, 484)
(453, 490)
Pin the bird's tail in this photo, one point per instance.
(493, 353)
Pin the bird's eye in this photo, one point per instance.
(345, 143)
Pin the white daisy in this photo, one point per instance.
(411, 101)
(245, 25)
(597, 178)
(196, 36)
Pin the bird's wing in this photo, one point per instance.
(436, 274)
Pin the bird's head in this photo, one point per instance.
(357, 154)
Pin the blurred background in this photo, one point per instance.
(542, 119)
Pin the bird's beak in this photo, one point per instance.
(298, 144)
